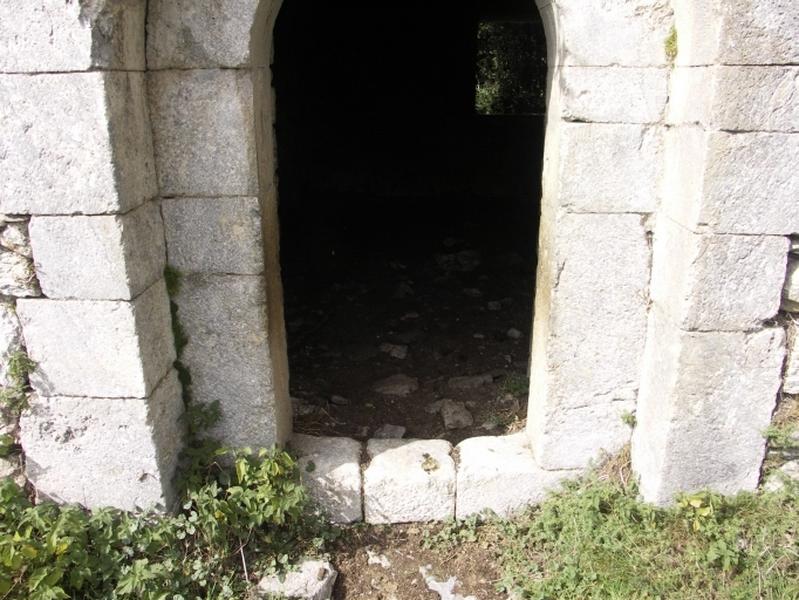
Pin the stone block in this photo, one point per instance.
(790, 290)
(409, 481)
(735, 98)
(53, 35)
(17, 276)
(204, 132)
(790, 378)
(500, 474)
(110, 257)
(14, 238)
(732, 182)
(590, 328)
(608, 167)
(229, 358)
(705, 400)
(214, 235)
(75, 143)
(589, 34)
(10, 339)
(97, 452)
(613, 94)
(187, 34)
(100, 349)
(331, 472)
(717, 282)
(737, 32)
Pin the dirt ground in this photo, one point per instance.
(461, 305)
(402, 552)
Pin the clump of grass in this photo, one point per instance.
(515, 384)
(596, 539)
(671, 45)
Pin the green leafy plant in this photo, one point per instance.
(250, 517)
(15, 395)
(452, 533)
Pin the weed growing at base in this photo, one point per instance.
(251, 518)
(595, 539)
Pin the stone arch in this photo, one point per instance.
(711, 160)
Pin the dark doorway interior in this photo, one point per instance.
(407, 218)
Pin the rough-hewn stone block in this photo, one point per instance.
(500, 474)
(108, 257)
(705, 400)
(409, 481)
(790, 382)
(613, 94)
(737, 32)
(732, 182)
(608, 167)
(187, 34)
(98, 452)
(74, 143)
(590, 325)
(717, 282)
(53, 35)
(735, 98)
(214, 235)
(101, 349)
(330, 468)
(225, 319)
(203, 127)
(589, 34)
(17, 276)
(790, 290)
(10, 339)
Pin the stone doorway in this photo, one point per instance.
(408, 220)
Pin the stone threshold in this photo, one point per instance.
(406, 480)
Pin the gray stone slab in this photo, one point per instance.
(108, 258)
(53, 35)
(500, 474)
(75, 143)
(204, 132)
(228, 355)
(214, 235)
(706, 398)
(330, 468)
(97, 452)
(188, 34)
(102, 349)
(408, 481)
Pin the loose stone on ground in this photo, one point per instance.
(455, 415)
(314, 580)
(396, 385)
(469, 382)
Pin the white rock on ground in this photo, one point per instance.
(409, 481)
(398, 351)
(469, 382)
(396, 385)
(331, 472)
(314, 580)
(444, 589)
(500, 474)
(455, 415)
